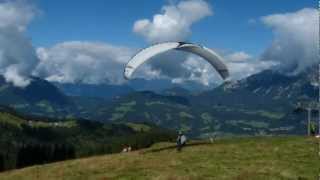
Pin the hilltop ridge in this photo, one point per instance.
(238, 158)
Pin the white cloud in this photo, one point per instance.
(80, 61)
(16, 14)
(238, 56)
(240, 64)
(294, 47)
(243, 69)
(17, 56)
(184, 67)
(95, 62)
(200, 71)
(296, 37)
(13, 75)
(174, 23)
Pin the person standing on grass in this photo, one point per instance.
(181, 141)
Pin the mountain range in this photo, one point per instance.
(263, 103)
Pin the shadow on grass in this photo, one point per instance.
(174, 147)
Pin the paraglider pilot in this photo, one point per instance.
(181, 141)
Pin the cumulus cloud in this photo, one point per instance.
(243, 69)
(294, 48)
(85, 62)
(170, 63)
(240, 64)
(238, 56)
(295, 43)
(179, 67)
(17, 56)
(174, 23)
(183, 67)
(199, 71)
(99, 63)
(16, 14)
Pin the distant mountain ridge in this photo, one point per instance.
(97, 91)
(39, 98)
(160, 85)
(263, 103)
(268, 86)
(38, 90)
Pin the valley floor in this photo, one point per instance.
(240, 158)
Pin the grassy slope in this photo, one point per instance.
(241, 158)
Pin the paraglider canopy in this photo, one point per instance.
(207, 54)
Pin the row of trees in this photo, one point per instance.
(23, 146)
(30, 154)
(42, 154)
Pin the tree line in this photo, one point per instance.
(23, 145)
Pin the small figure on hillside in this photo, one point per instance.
(313, 129)
(125, 149)
(211, 139)
(181, 141)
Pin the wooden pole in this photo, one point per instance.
(319, 99)
(309, 120)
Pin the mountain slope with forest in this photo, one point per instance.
(26, 141)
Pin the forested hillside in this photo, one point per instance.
(25, 141)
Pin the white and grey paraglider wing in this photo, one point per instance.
(207, 54)
(145, 54)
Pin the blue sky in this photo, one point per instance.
(112, 21)
(85, 41)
